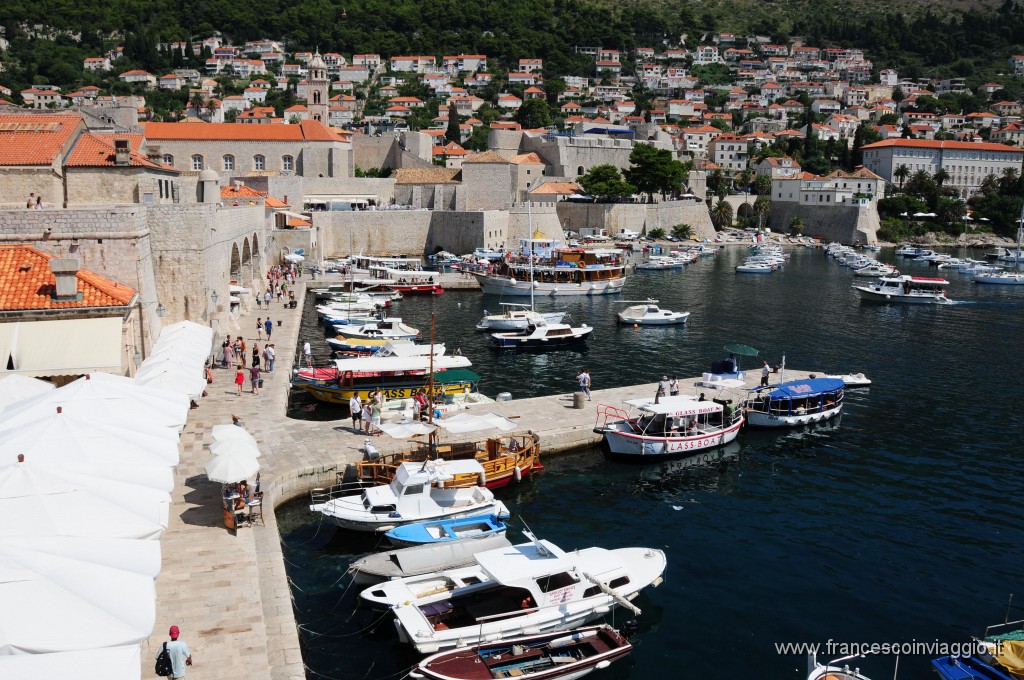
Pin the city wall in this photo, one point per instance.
(842, 224)
(639, 217)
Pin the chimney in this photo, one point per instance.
(65, 270)
(121, 152)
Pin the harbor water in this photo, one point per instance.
(898, 523)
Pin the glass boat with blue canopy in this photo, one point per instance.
(799, 402)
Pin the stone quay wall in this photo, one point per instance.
(615, 217)
(842, 224)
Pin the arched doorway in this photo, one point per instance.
(246, 263)
(235, 273)
(257, 261)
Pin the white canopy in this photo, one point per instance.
(106, 663)
(35, 501)
(468, 422)
(396, 363)
(231, 469)
(15, 388)
(191, 384)
(63, 347)
(406, 430)
(41, 419)
(675, 406)
(294, 257)
(75, 594)
(235, 447)
(226, 432)
(185, 328)
(106, 401)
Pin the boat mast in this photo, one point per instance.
(529, 227)
(430, 388)
(1020, 232)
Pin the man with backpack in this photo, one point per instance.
(173, 657)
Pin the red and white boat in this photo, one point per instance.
(673, 427)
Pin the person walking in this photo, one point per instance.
(375, 418)
(366, 416)
(259, 329)
(583, 378)
(266, 297)
(662, 389)
(31, 201)
(254, 377)
(765, 371)
(180, 655)
(226, 354)
(259, 300)
(256, 354)
(239, 378)
(39, 202)
(271, 355)
(355, 407)
(673, 386)
(307, 354)
(268, 326)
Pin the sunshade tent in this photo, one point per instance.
(37, 502)
(223, 433)
(15, 388)
(75, 594)
(174, 378)
(89, 399)
(467, 422)
(231, 469)
(406, 430)
(294, 257)
(154, 393)
(185, 328)
(42, 419)
(106, 663)
(235, 447)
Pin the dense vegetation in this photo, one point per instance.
(974, 44)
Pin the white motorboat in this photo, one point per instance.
(851, 379)
(832, 671)
(516, 318)
(905, 289)
(390, 329)
(675, 426)
(798, 402)
(415, 494)
(529, 588)
(1007, 278)
(656, 264)
(649, 314)
(876, 269)
(873, 247)
(541, 335)
(422, 559)
(755, 269)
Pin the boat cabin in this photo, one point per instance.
(798, 398)
(413, 483)
(679, 416)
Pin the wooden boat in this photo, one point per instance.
(542, 335)
(798, 402)
(565, 656)
(531, 588)
(675, 426)
(416, 494)
(447, 382)
(445, 530)
(542, 267)
(422, 559)
(905, 289)
(503, 459)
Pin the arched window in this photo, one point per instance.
(168, 159)
(580, 171)
(287, 163)
(229, 162)
(316, 97)
(259, 162)
(197, 162)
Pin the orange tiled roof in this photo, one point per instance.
(937, 144)
(528, 159)
(307, 130)
(26, 282)
(242, 191)
(299, 222)
(557, 188)
(97, 150)
(27, 139)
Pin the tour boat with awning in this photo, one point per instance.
(397, 377)
(799, 402)
(543, 268)
(919, 290)
(674, 426)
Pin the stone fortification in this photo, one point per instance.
(615, 217)
(543, 217)
(843, 224)
(412, 232)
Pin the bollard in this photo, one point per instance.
(578, 400)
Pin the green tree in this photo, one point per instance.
(941, 176)
(605, 183)
(721, 214)
(762, 206)
(657, 233)
(653, 170)
(796, 226)
(683, 232)
(533, 114)
(901, 173)
(763, 185)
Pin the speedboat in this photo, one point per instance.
(755, 269)
(675, 426)
(831, 671)
(516, 318)
(530, 588)
(390, 329)
(852, 379)
(543, 335)
(905, 289)
(565, 656)
(798, 402)
(649, 314)
(655, 264)
(445, 530)
(875, 269)
(416, 494)
(422, 559)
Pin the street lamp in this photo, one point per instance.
(214, 297)
(137, 358)
(160, 310)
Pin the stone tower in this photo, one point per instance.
(318, 89)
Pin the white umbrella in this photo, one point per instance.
(154, 393)
(105, 401)
(106, 663)
(468, 422)
(235, 447)
(406, 430)
(191, 384)
(294, 257)
(224, 432)
(183, 328)
(15, 388)
(35, 502)
(41, 419)
(75, 594)
(231, 469)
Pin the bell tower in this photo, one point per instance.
(318, 89)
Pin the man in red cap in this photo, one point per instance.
(180, 656)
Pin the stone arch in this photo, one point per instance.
(745, 210)
(235, 273)
(581, 171)
(257, 259)
(246, 261)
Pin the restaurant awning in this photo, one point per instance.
(62, 347)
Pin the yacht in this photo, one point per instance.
(905, 289)
(516, 317)
(649, 314)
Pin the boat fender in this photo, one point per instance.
(582, 265)
(483, 479)
(518, 474)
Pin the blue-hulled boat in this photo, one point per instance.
(967, 668)
(799, 402)
(446, 530)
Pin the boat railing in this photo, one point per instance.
(606, 412)
(1000, 628)
(341, 489)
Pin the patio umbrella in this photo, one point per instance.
(235, 447)
(225, 432)
(41, 419)
(468, 422)
(15, 388)
(742, 350)
(406, 430)
(106, 663)
(294, 257)
(173, 378)
(231, 469)
(39, 502)
(183, 328)
(75, 594)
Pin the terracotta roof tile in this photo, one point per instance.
(307, 130)
(427, 176)
(97, 150)
(26, 282)
(27, 139)
(485, 157)
(527, 159)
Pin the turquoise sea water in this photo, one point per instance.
(900, 522)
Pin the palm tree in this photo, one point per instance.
(763, 185)
(941, 176)
(743, 179)
(1008, 180)
(762, 206)
(901, 173)
(989, 184)
(721, 214)
(683, 232)
(196, 102)
(796, 226)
